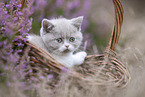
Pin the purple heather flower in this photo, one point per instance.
(41, 77)
(24, 84)
(2, 74)
(16, 19)
(50, 76)
(59, 3)
(12, 21)
(8, 6)
(19, 6)
(64, 69)
(30, 71)
(40, 4)
(8, 84)
(86, 4)
(72, 5)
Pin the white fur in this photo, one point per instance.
(70, 60)
(64, 28)
(37, 40)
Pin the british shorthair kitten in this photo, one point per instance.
(61, 37)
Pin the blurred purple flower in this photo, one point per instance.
(30, 71)
(13, 22)
(41, 77)
(59, 3)
(86, 4)
(8, 6)
(71, 5)
(65, 8)
(50, 76)
(64, 69)
(8, 84)
(40, 4)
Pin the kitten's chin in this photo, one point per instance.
(66, 51)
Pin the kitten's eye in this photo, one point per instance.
(72, 39)
(59, 40)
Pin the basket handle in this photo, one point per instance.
(117, 25)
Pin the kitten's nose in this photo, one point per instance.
(66, 46)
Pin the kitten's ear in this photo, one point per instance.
(47, 25)
(77, 22)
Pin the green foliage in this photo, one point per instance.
(2, 76)
(36, 27)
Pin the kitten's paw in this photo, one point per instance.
(29, 38)
(82, 54)
(79, 58)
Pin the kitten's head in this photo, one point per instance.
(62, 36)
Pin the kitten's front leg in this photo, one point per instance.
(37, 40)
(79, 58)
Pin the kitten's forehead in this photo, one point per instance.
(63, 26)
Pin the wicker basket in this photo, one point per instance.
(102, 69)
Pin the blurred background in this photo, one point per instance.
(97, 26)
